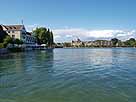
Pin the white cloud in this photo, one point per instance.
(32, 27)
(69, 34)
(86, 34)
(57, 37)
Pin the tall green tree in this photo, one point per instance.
(52, 39)
(39, 34)
(44, 36)
(114, 41)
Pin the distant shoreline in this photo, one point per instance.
(92, 47)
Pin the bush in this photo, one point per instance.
(18, 42)
(3, 35)
(7, 40)
(1, 45)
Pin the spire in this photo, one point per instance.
(22, 22)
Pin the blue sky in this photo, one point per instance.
(64, 16)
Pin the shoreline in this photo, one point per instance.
(5, 51)
(94, 47)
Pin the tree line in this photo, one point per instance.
(114, 43)
(128, 43)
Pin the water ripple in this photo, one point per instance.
(69, 75)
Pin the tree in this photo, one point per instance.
(47, 37)
(44, 36)
(39, 34)
(3, 34)
(131, 42)
(67, 44)
(114, 41)
(132, 39)
(18, 42)
(7, 40)
(52, 39)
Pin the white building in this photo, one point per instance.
(77, 43)
(19, 32)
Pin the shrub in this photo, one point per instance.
(1, 45)
(7, 40)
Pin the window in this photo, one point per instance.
(13, 31)
(8, 31)
(13, 36)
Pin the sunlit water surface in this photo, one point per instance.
(69, 75)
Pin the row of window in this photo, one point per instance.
(13, 36)
(29, 39)
(10, 31)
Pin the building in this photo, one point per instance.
(103, 43)
(77, 43)
(98, 43)
(89, 43)
(19, 32)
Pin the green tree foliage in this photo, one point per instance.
(44, 36)
(3, 34)
(39, 34)
(131, 42)
(51, 39)
(114, 41)
(18, 42)
(67, 44)
(1, 45)
(7, 40)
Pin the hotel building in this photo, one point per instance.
(19, 32)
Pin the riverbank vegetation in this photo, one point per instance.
(5, 39)
(44, 36)
(128, 43)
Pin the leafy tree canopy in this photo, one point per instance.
(3, 35)
(44, 36)
(114, 41)
(131, 42)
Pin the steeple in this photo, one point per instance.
(22, 22)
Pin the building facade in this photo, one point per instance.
(77, 43)
(19, 32)
(97, 43)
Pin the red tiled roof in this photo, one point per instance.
(13, 27)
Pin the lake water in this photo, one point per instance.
(69, 75)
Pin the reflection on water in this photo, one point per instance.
(69, 75)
